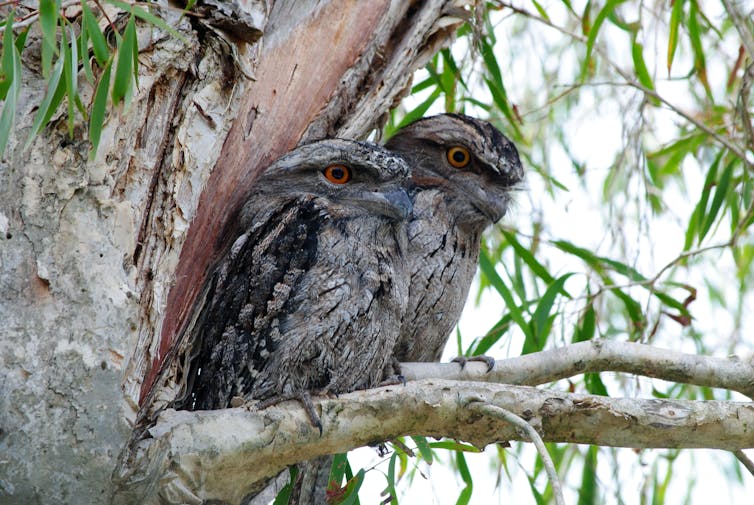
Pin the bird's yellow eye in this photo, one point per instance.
(337, 174)
(458, 156)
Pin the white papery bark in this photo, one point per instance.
(197, 456)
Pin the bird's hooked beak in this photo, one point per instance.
(394, 204)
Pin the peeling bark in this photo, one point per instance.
(218, 455)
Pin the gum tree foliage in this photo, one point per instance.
(635, 123)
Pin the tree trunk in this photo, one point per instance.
(100, 259)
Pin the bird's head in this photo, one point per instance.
(356, 178)
(470, 160)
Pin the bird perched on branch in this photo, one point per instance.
(309, 294)
(464, 170)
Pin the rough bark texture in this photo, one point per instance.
(205, 455)
(89, 250)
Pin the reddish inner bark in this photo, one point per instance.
(294, 82)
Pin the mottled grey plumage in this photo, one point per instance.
(310, 294)
(452, 207)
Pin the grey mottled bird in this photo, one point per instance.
(309, 295)
(464, 170)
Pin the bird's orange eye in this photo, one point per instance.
(337, 174)
(458, 156)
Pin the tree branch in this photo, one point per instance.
(598, 355)
(531, 433)
(219, 454)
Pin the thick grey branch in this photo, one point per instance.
(205, 455)
(731, 373)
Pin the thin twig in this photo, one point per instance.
(739, 20)
(510, 417)
(104, 13)
(743, 108)
(745, 461)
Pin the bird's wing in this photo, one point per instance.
(251, 284)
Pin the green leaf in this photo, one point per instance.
(598, 262)
(588, 487)
(50, 102)
(528, 258)
(594, 384)
(671, 302)
(422, 85)
(723, 185)
(48, 23)
(497, 88)
(338, 469)
(585, 330)
(284, 496)
(633, 308)
(594, 30)
(124, 72)
(541, 321)
(99, 44)
(700, 65)
(481, 346)
(390, 490)
(449, 80)
(452, 445)
(500, 97)
(424, 449)
(420, 110)
(350, 494)
(642, 72)
(488, 270)
(675, 21)
(463, 469)
(11, 66)
(7, 68)
(677, 151)
(541, 10)
(698, 216)
(99, 105)
(490, 62)
(21, 40)
(83, 48)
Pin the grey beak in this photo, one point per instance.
(394, 204)
(400, 204)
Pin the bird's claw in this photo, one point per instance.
(462, 360)
(393, 380)
(302, 397)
